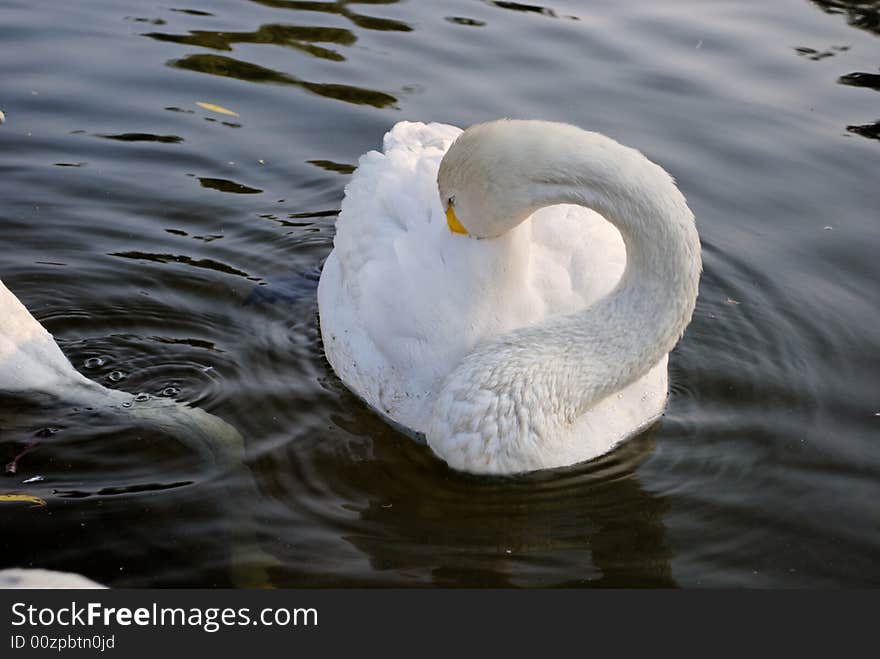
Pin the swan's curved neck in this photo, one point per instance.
(583, 357)
(623, 335)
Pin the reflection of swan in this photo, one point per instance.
(593, 524)
(535, 348)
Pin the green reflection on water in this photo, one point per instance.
(229, 67)
(341, 8)
(294, 36)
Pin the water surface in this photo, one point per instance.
(174, 249)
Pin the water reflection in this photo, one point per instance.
(95, 466)
(871, 131)
(209, 264)
(192, 12)
(228, 67)
(330, 166)
(296, 219)
(865, 16)
(817, 55)
(860, 14)
(867, 81)
(225, 185)
(417, 522)
(601, 529)
(285, 289)
(471, 22)
(859, 79)
(144, 137)
(293, 36)
(342, 9)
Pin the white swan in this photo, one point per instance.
(541, 346)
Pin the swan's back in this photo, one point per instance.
(402, 300)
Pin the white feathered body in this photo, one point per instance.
(30, 360)
(403, 300)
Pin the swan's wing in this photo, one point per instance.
(30, 360)
(25, 578)
(377, 291)
(390, 195)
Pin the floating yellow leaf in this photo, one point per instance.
(216, 108)
(24, 498)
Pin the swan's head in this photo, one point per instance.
(486, 179)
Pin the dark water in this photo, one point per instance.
(181, 247)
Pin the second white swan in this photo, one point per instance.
(511, 292)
